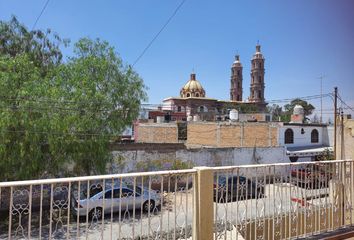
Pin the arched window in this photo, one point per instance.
(179, 109)
(259, 79)
(201, 109)
(259, 94)
(197, 94)
(314, 136)
(188, 94)
(289, 136)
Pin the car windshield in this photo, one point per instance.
(222, 180)
(97, 187)
(232, 180)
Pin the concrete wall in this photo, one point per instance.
(346, 146)
(232, 134)
(254, 116)
(328, 136)
(302, 139)
(142, 160)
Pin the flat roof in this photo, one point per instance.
(305, 151)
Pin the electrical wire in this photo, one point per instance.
(159, 32)
(39, 16)
(344, 103)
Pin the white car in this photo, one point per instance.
(123, 199)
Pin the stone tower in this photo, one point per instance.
(236, 80)
(257, 77)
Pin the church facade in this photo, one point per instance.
(193, 102)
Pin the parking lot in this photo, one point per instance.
(174, 218)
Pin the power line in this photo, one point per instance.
(39, 16)
(58, 104)
(344, 103)
(158, 33)
(311, 97)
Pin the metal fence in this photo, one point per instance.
(282, 201)
(273, 201)
(153, 205)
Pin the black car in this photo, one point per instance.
(236, 188)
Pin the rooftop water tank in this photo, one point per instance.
(233, 115)
(159, 119)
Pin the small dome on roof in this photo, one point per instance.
(192, 88)
(298, 110)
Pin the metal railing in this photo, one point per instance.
(152, 205)
(282, 201)
(264, 201)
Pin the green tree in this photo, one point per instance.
(53, 114)
(41, 47)
(108, 96)
(308, 108)
(276, 111)
(22, 154)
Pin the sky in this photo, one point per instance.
(301, 41)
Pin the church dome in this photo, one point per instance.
(192, 88)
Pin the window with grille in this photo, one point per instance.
(289, 136)
(314, 136)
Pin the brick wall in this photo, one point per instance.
(203, 134)
(247, 134)
(157, 133)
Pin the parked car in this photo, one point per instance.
(236, 187)
(101, 202)
(312, 176)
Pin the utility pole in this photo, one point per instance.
(335, 123)
(342, 135)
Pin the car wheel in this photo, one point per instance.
(148, 206)
(96, 213)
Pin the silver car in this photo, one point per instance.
(123, 199)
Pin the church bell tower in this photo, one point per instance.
(236, 80)
(257, 77)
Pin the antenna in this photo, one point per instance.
(321, 78)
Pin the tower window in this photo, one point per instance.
(238, 72)
(259, 79)
(197, 94)
(314, 136)
(188, 94)
(289, 136)
(238, 85)
(260, 94)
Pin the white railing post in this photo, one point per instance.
(203, 219)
